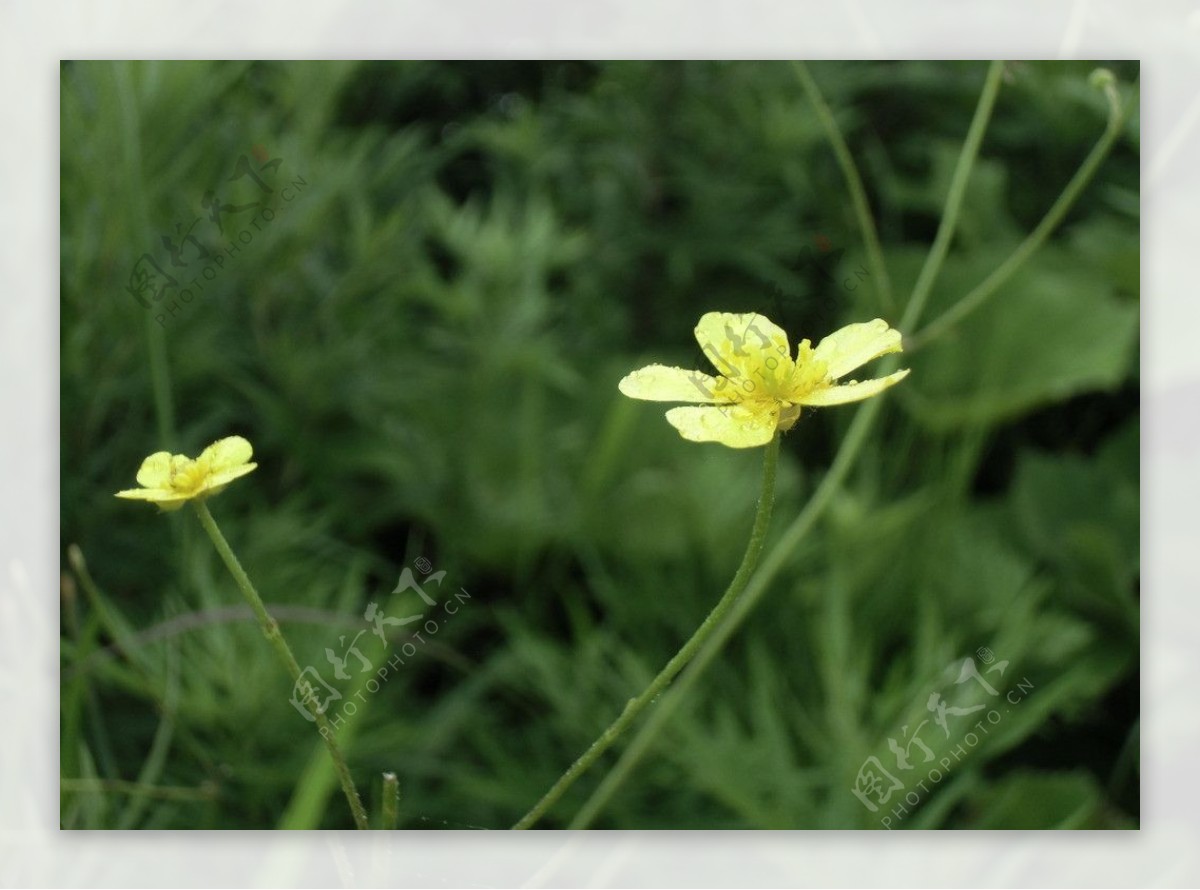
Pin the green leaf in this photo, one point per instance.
(1082, 517)
(1055, 331)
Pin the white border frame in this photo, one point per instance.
(34, 36)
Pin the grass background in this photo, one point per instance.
(423, 346)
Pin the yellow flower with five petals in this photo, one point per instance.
(760, 387)
(169, 480)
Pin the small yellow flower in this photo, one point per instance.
(761, 388)
(171, 479)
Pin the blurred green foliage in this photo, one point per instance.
(423, 346)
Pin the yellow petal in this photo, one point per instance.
(156, 470)
(744, 425)
(851, 392)
(855, 345)
(659, 383)
(224, 454)
(739, 345)
(218, 481)
(166, 499)
(144, 494)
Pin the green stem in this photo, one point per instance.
(391, 802)
(858, 194)
(1054, 216)
(115, 630)
(954, 199)
(681, 659)
(771, 566)
(270, 628)
(131, 156)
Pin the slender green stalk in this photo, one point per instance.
(772, 565)
(1054, 216)
(858, 194)
(954, 198)
(851, 445)
(270, 628)
(635, 706)
(391, 802)
(115, 630)
(156, 347)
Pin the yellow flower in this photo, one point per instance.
(761, 388)
(170, 479)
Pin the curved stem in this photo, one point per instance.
(858, 194)
(635, 706)
(954, 198)
(391, 802)
(771, 566)
(270, 628)
(1054, 216)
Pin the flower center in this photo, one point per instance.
(187, 475)
(809, 374)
